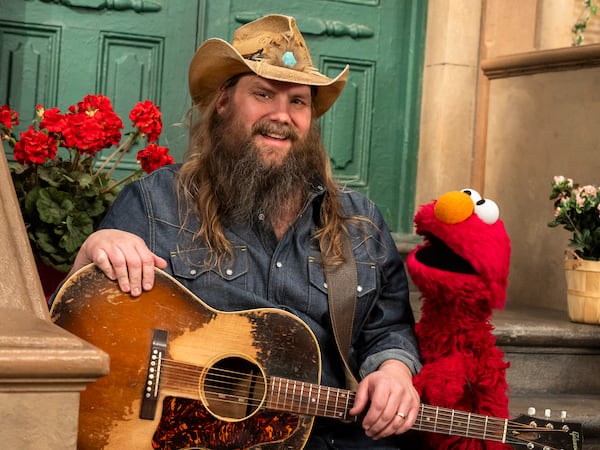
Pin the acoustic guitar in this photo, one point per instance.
(187, 376)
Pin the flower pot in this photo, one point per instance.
(583, 290)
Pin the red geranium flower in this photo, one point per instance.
(52, 119)
(146, 117)
(92, 125)
(34, 147)
(8, 117)
(153, 157)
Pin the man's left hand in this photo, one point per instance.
(388, 400)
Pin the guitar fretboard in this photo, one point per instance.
(315, 400)
(310, 399)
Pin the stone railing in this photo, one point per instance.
(42, 367)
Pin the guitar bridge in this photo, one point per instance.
(158, 351)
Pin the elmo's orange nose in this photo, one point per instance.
(453, 207)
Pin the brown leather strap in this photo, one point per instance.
(342, 283)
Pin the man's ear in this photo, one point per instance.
(222, 100)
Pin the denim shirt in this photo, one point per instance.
(285, 274)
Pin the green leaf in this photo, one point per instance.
(79, 227)
(45, 241)
(53, 205)
(85, 180)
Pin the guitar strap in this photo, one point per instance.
(342, 284)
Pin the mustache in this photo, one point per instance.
(275, 128)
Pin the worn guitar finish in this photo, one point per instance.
(184, 375)
(92, 307)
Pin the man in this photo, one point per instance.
(253, 215)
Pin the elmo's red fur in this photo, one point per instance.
(461, 271)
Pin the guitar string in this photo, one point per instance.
(494, 428)
(444, 418)
(235, 376)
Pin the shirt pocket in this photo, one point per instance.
(191, 265)
(366, 277)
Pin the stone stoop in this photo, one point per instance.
(555, 366)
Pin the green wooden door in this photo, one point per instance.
(55, 51)
(372, 131)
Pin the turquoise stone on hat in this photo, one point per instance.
(288, 59)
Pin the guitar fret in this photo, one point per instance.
(271, 393)
(337, 398)
(309, 400)
(294, 396)
(347, 407)
(279, 392)
(451, 422)
(287, 386)
(485, 428)
(327, 401)
(437, 411)
(318, 400)
(468, 423)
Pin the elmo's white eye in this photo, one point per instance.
(473, 194)
(487, 210)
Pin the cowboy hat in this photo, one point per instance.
(271, 47)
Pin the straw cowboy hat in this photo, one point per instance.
(271, 47)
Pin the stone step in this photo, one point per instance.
(541, 327)
(548, 353)
(583, 409)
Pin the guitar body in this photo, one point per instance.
(194, 406)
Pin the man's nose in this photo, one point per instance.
(281, 110)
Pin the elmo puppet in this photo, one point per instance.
(461, 271)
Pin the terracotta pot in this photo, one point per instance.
(583, 290)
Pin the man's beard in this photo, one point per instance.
(250, 191)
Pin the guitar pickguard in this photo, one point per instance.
(186, 423)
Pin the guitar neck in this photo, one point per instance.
(334, 403)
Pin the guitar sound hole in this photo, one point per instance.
(233, 389)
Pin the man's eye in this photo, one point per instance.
(300, 101)
(261, 94)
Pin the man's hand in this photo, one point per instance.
(122, 256)
(388, 399)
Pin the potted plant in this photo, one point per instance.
(63, 188)
(577, 210)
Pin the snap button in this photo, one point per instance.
(229, 272)
(193, 272)
(279, 264)
(359, 288)
(325, 285)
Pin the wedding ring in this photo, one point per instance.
(401, 415)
